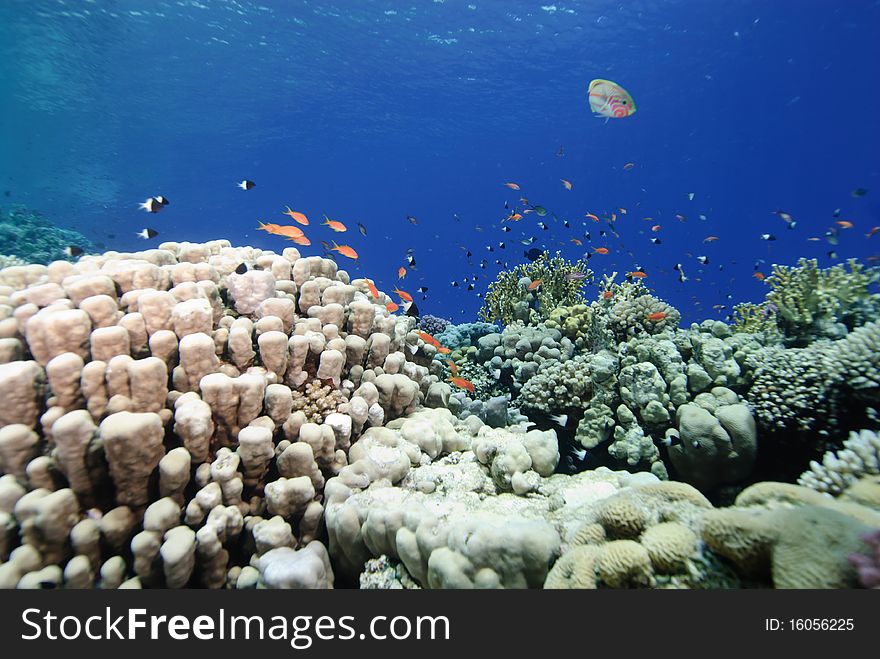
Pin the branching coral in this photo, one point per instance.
(807, 303)
(317, 401)
(859, 457)
(433, 324)
(561, 282)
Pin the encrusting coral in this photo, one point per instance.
(28, 237)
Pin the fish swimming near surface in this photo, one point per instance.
(610, 100)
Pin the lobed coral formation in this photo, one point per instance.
(29, 237)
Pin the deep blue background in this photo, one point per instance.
(373, 110)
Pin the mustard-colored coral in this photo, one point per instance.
(509, 299)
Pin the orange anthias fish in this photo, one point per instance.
(636, 274)
(297, 217)
(443, 350)
(333, 224)
(401, 272)
(452, 367)
(512, 186)
(607, 295)
(301, 240)
(656, 228)
(577, 241)
(345, 250)
(844, 224)
(872, 232)
(513, 217)
(600, 250)
(595, 218)
(567, 184)
(710, 239)
(373, 290)
(289, 231)
(759, 276)
(403, 295)
(629, 165)
(622, 211)
(392, 307)
(535, 284)
(427, 338)
(462, 383)
(656, 317)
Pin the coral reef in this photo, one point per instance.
(510, 299)
(32, 238)
(806, 302)
(169, 421)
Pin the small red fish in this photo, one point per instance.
(600, 250)
(535, 284)
(595, 218)
(452, 367)
(403, 295)
(401, 272)
(656, 228)
(512, 186)
(373, 290)
(710, 239)
(298, 217)
(567, 184)
(656, 317)
(577, 241)
(392, 307)
(443, 350)
(427, 338)
(844, 224)
(872, 232)
(636, 274)
(301, 240)
(607, 295)
(462, 383)
(759, 276)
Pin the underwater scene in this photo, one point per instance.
(439, 294)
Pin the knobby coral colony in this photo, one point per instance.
(28, 237)
(169, 421)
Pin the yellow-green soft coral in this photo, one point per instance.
(508, 298)
(806, 302)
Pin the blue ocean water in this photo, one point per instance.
(370, 111)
